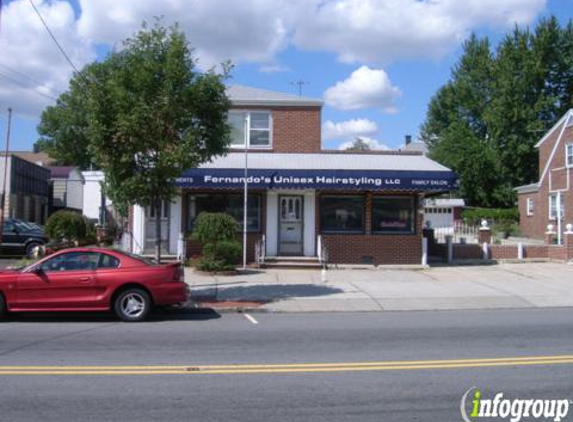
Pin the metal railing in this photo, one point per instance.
(260, 250)
(459, 232)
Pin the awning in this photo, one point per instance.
(324, 171)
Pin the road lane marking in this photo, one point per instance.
(285, 368)
(250, 318)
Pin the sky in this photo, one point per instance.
(374, 63)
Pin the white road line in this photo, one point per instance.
(250, 318)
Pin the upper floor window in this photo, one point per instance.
(254, 127)
(569, 155)
(529, 206)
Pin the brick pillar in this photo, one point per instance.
(568, 242)
(368, 214)
(484, 235)
(550, 235)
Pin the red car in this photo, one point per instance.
(92, 279)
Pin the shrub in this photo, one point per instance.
(67, 226)
(493, 215)
(211, 227)
(217, 232)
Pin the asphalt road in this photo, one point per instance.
(202, 366)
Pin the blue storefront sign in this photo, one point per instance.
(320, 179)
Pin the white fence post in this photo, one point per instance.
(181, 255)
(520, 251)
(424, 251)
(485, 250)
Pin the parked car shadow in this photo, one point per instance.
(157, 315)
(260, 292)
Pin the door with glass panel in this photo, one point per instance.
(290, 225)
(150, 220)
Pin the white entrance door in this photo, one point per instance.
(150, 228)
(290, 225)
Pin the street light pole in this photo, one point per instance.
(3, 197)
(245, 203)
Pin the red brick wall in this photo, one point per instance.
(534, 251)
(556, 253)
(294, 129)
(382, 249)
(467, 251)
(503, 252)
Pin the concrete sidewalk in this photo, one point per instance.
(528, 285)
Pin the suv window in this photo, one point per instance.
(108, 261)
(72, 261)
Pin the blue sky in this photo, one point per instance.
(376, 63)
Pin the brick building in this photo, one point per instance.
(550, 200)
(362, 207)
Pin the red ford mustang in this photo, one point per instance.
(92, 279)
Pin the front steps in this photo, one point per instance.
(292, 262)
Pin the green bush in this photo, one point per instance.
(211, 227)
(507, 216)
(218, 233)
(67, 226)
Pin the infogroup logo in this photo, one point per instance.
(474, 407)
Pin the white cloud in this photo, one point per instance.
(31, 66)
(372, 143)
(365, 88)
(219, 30)
(349, 129)
(381, 31)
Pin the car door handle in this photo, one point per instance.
(85, 279)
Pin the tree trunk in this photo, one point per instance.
(157, 205)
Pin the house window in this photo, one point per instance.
(529, 206)
(569, 155)
(553, 206)
(229, 203)
(342, 214)
(257, 125)
(393, 215)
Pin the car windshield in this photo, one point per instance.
(22, 225)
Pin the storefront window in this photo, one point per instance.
(344, 214)
(229, 203)
(393, 215)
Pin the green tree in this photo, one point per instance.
(503, 102)
(149, 116)
(358, 145)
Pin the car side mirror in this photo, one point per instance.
(38, 270)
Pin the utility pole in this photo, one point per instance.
(3, 197)
(300, 84)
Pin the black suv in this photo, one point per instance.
(20, 237)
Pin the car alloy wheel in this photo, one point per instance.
(132, 305)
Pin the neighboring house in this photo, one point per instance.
(96, 206)
(364, 207)
(539, 202)
(67, 188)
(39, 158)
(27, 189)
(443, 212)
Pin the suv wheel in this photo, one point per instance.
(132, 305)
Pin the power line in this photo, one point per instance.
(35, 81)
(53, 37)
(33, 89)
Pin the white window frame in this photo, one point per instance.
(553, 206)
(569, 155)
(247, 115)
(529, 206)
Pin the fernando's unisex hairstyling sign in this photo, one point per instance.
(319, 179)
